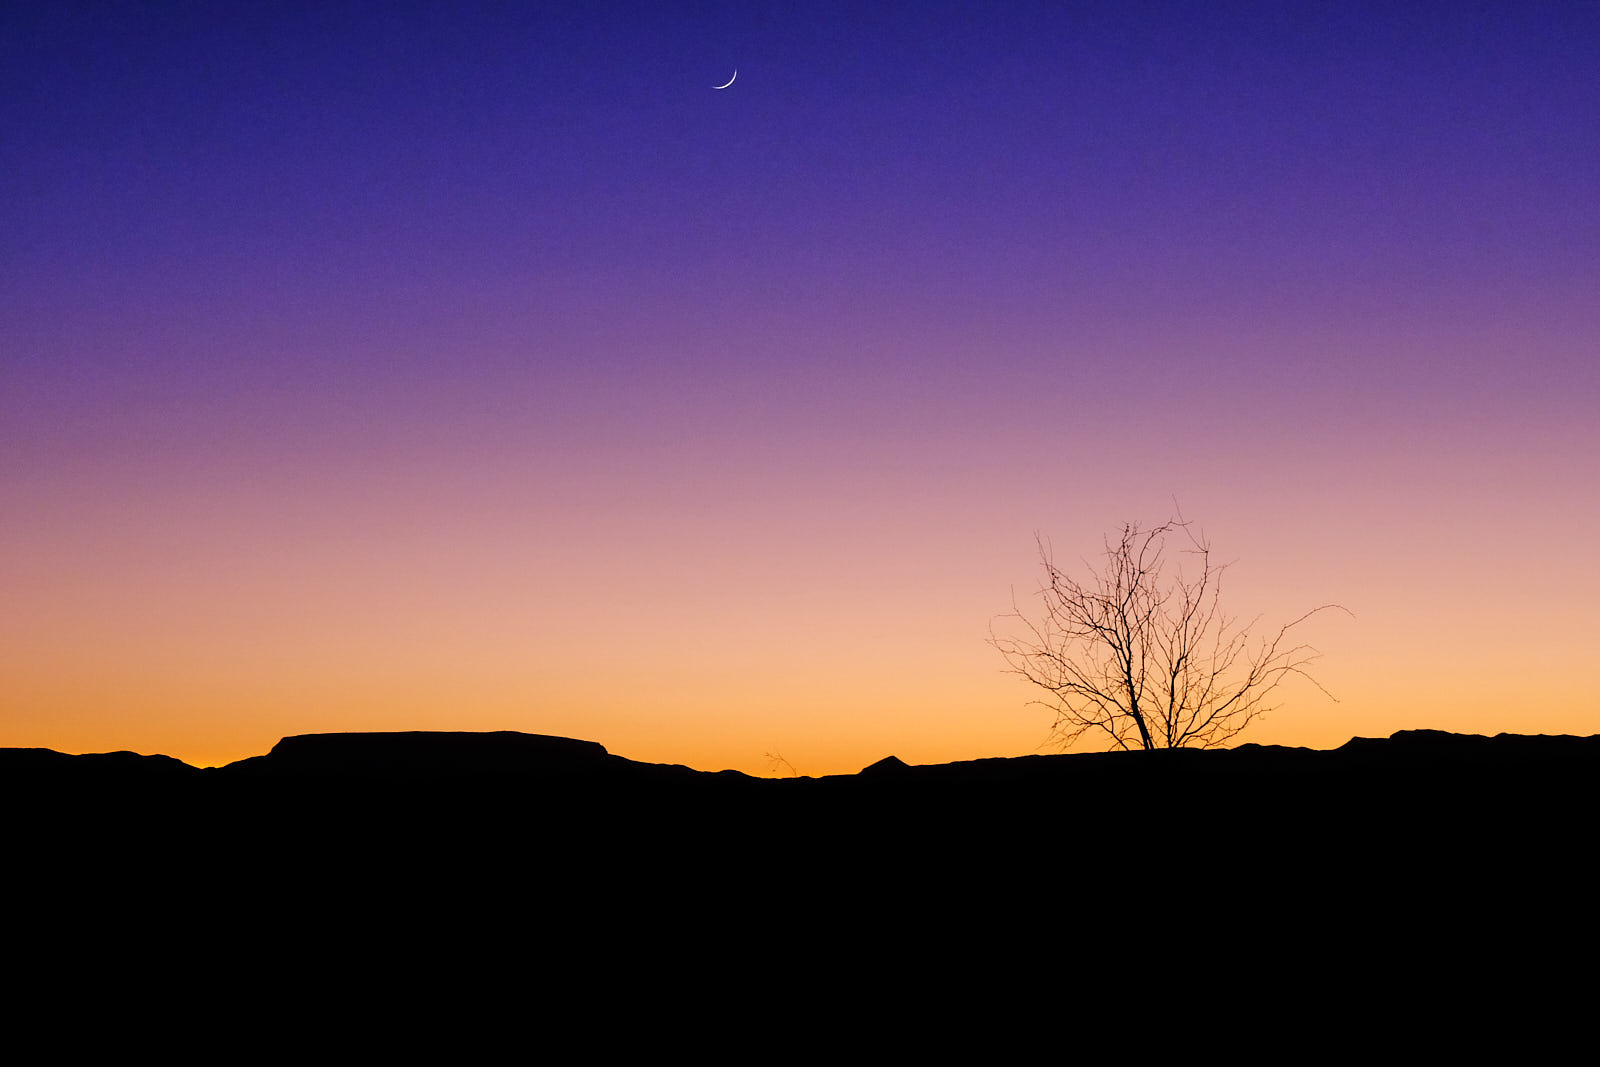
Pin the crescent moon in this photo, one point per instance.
(729, 81)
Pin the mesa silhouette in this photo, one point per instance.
(423, 755)
(1466, 782)
(406, 853)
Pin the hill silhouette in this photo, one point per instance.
(1467, 782)
(1412, 760)
(354, 869)
(329, 799)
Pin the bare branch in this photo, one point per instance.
(1147, 663)
(775, 761)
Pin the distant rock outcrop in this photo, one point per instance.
(128, 768)
(427, 754)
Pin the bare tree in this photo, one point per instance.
(775, 761)
(1150, 665)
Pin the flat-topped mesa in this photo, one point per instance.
(426, 752)
(1438, 747)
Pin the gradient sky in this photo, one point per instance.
(394, 366)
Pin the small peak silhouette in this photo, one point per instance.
(886, 766)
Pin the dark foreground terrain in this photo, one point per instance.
(383, 873)
(418, 790)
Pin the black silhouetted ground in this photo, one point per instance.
(542, 874)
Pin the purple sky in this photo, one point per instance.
(943, 261)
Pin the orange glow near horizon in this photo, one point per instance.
(504, 376)
(205, 622)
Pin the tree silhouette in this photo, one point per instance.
(775, 761)
(1149, 664)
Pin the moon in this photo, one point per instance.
(728, 82)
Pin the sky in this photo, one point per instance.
(479, 367)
